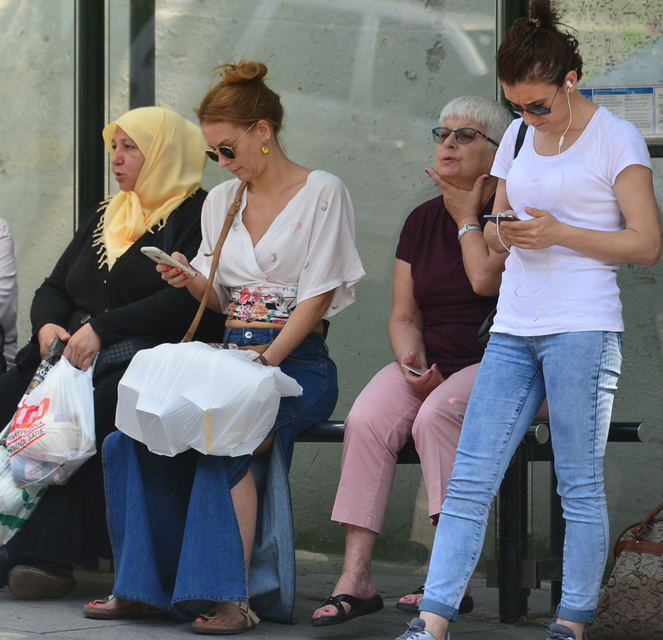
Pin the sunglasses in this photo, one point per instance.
(463, 136)
(535, 111)
(225, 150)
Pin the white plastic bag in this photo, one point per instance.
(52, 433)
(16, 504)
(176, 397)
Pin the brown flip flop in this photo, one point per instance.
(113, 608)
(205, 623)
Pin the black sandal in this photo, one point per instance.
(466, 604)
(358, 607)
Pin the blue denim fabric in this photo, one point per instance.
(578, 373)
(315, 371)
(172, 523)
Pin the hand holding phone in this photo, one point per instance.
(501, 217)
(161, 257)
(414, 370)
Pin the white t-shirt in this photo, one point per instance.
(557, 290)
(308, 249)
(8, 292)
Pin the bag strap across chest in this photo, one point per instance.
(234, 208)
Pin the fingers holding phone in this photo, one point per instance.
(498, 235)
(413, 370)
(177, 271)
(174, 269)
(505, 216)
(422, 380)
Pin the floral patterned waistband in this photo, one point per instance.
(262, 303)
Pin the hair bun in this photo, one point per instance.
(542, 14)
(243, 72)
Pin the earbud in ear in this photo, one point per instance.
(569, 85)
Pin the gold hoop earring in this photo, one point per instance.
(264, 148)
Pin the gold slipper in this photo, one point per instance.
(206, 623)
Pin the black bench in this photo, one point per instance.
(517, 573)
(514, 573)
(332, 431)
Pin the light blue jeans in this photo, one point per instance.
(577, 373)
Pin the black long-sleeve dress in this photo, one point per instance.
(69, 527)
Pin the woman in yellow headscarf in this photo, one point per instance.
(105, 298)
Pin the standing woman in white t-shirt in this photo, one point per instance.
(558, 329)
(289, 262)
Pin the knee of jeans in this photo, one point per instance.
(583, 508)
(575, 488)
(474, 510)
(468, 494)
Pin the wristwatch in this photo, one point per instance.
(468, 227)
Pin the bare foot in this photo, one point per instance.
(351, 585)
(414, 599)
(411, 599)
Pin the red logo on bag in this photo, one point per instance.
(26, 426)
(28, 414)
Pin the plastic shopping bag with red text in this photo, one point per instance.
(52, 433)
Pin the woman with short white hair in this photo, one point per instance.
(444, 286)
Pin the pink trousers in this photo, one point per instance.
(381, 420)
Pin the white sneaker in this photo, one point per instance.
(416, 630)
(562, 632)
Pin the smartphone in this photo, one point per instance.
(162, 257)
(493, 217)
(417, 372)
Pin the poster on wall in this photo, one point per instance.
(621, 42)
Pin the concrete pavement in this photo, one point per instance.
(62, 619)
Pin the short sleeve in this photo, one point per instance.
(504, 154)
(213, 214)
(406, 239)
(626, 147)
(332, 260)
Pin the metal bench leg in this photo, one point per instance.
(513, 539)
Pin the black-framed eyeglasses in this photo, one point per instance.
(465, 135)
(226, 151)
(535, 111)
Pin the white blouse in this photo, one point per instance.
(309, 249)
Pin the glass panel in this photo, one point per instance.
(37, 151)
(362, 84)
(117, 73)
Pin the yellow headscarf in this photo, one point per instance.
(174, 151)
